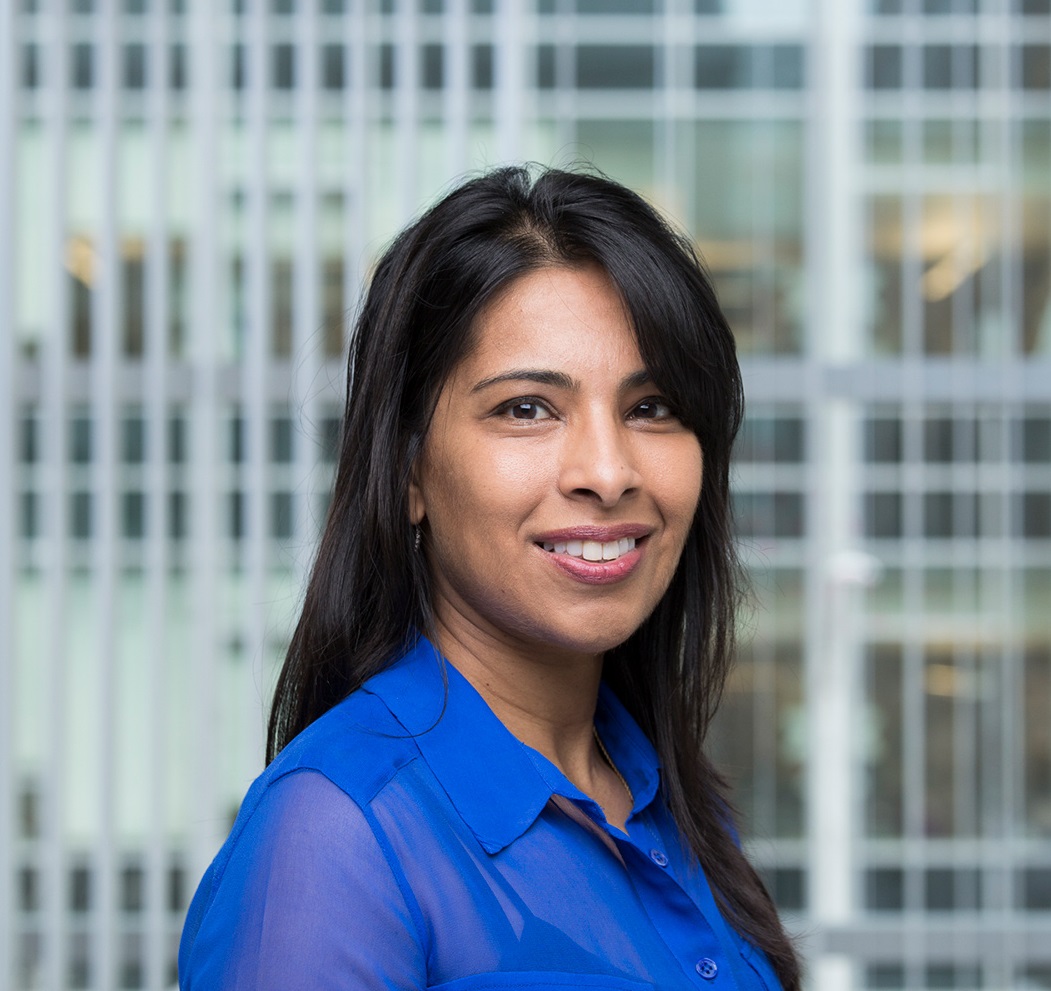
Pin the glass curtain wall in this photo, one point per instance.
(195, 191)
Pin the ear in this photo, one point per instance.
(417, 507)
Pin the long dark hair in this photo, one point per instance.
(368, 590)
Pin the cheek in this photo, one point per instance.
(480, 487)
(677, 483)
(506, 466)
(496, 474)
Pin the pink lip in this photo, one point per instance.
(587, 531)
(596, 572)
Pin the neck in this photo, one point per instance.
(546, 698)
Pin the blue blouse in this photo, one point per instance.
(407, 840)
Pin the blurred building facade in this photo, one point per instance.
(191, 192)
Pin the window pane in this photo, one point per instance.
(82, 66)
(769, 514)
(281, 522)
(886, 247)
(281, 440)
(723, 67)
(333, 73)
(29, 515)
(1036, 514)
(177, 66)
(771, 439)
(30, 66)
(1033, 440)
(133, 440)
(884, 67)
(80, 515)
(134, 66)
(1036, 67)
(788, 66)
(1037, 738)
(482, 66)
(885, 889)
(937, 66)
(133, 515)
(615, 6)
(883, 514)
(883, 753)
(615, 66)
(432, 68)
(283, 66)
(883, 440)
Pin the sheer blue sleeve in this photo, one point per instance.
(305, 899)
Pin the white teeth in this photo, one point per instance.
(592, 550)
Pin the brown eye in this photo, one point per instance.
(527, 409)
(652, 409)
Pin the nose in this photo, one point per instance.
(599, 461)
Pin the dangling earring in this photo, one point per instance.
(419, 537)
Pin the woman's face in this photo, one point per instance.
(555, 484)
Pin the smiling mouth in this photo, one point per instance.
(592, 550)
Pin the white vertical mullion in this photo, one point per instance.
(55, 485)
(833, 647)
(999, 716)
(666, 102)
(155, 415)
(306, 312)
(914, 556)
(687, 141)
(204, 416)
(761, 208)
(1013, 758)
(105, 354)
(456, 88)
(359, 95)
(509, 83)
(255, 399)
(9, 130)
(567, 32)
(406, 107)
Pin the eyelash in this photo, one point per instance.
(507, 408)
(668, 413)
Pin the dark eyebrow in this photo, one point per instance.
(559, 380)
(637, 379)
(539, 375)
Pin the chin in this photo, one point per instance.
(591, 631)
(605, 638)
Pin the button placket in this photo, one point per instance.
(705, 967)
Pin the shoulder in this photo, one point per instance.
(334, 768)
(358, 745)
(303, 871)
(304, 856)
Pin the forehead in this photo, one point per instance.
(555, 318)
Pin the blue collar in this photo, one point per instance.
(497, 784)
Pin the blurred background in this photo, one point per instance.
(191, 192)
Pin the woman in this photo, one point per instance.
(486, 765)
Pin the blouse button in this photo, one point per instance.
(707, 968)
(659, 858)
